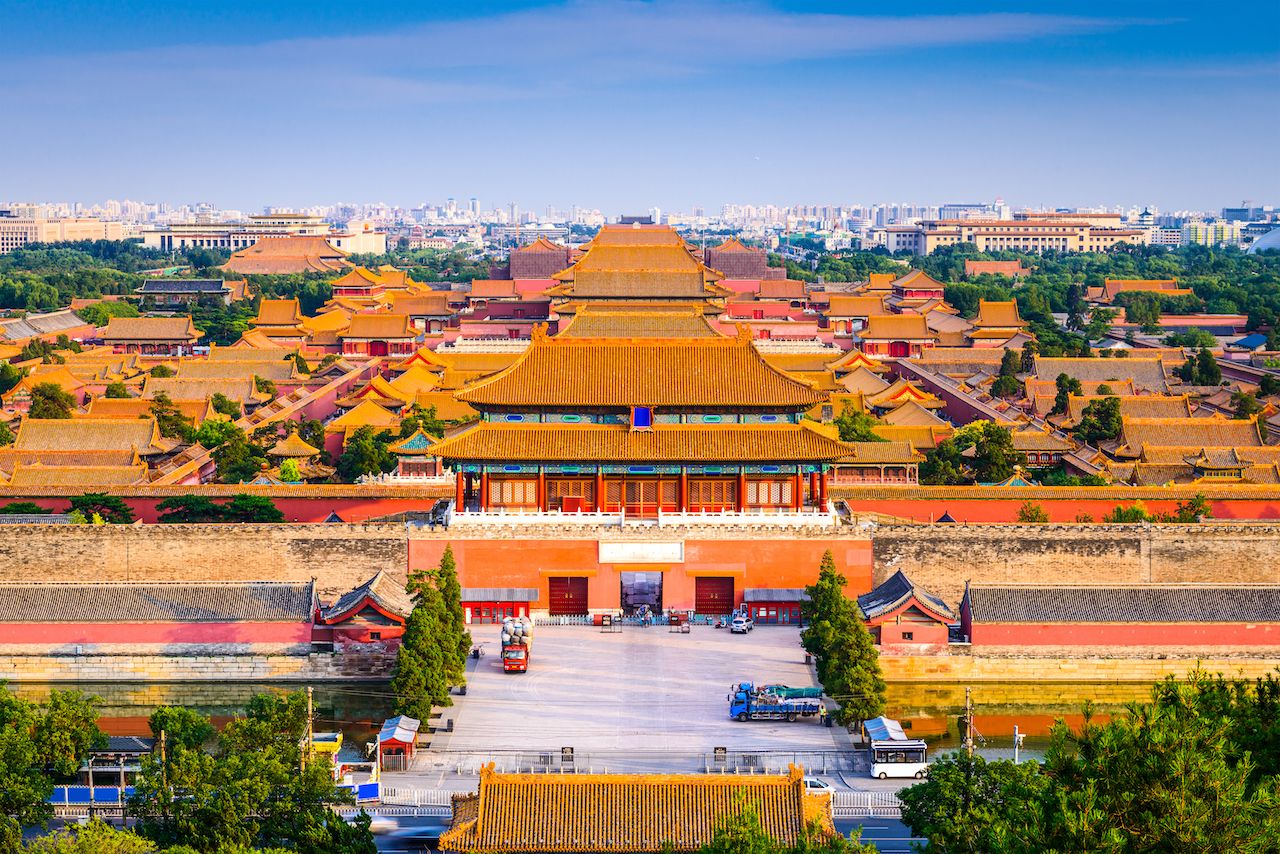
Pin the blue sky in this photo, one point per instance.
(625, 105)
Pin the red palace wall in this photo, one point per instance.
(752, 563)
(982, 510)
(1126, 634)
(53, 634)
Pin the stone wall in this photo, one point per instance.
(338, 556)
(194, 668)
(942, 557)
(1076, 667)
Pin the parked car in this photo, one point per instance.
(741, 625)
(817, 787)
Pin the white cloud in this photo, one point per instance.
(556, 51)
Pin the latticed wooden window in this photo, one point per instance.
(713, 493)
(513, 492)
(613, 492)
(670, 490)
(768, 493)
(570, 487)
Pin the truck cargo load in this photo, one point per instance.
(748, 703)
(517, 643)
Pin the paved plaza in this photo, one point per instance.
(643, 689)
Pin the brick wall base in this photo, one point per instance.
(315, 667)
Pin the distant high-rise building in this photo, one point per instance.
(474, 207)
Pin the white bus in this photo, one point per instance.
(892, 754)
(896, 758)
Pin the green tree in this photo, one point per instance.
(301, 364)
(856, 426)
(67, 730)
(422, 418)
(456, 639)
(96, 837)
(740, 831)
(161, 372)
(100, 314)
(24, 508)
(1010, 363)
(1100, 421)
(49, 400)
(237, 459)
(214, 432)
(971, 806)
(848, 663)
(265, 386)
(224, 405)
(117, 391)
(1192, 510)
(109, 507)
(290, 472)
(943, 466)
(182, 727)
(1006, 386)
(251, 508)
(1066, 386)
(994, 457)
(421, 678)
(1201, 369)
(1031, 513)
(1244, 405)
(366, 453)
(1269, 385)
(10, 376)
(1121, 515)
(1192, 337)
(172, 423)
(189, 508)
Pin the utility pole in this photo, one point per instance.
(306, 750)
(968, 721)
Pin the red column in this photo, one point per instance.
(542, 490)
(742, 491)
(797, 486)
(822, 493)
(484, 490)
(599, 490)
(684, 491)
(460, 494)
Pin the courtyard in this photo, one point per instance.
(642, 690)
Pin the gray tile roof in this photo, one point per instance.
(389, 595)
(183, 286)
(499, 594)
(1175, 603)
(895, 591)
(775, 594)
(159, 602)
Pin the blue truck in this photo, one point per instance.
(773, 702)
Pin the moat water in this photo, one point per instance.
(927, 711)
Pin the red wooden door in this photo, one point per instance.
(568, 596)
(377, 348)
(713, 595)
(900, 349)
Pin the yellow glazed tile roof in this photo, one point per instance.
(367, 414)
(292, 446)
(38, 474)
(664, 443)
(278, 312)
(150, 329)
(622, 372)
(596, 322)
(624, 812)
(91, 434)
(1002, 315)
(904, 327)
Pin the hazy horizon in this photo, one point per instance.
(629, 105)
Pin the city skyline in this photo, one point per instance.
(631, 105)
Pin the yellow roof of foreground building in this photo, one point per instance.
(717, 443)
(621, 372)
(625, 812)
